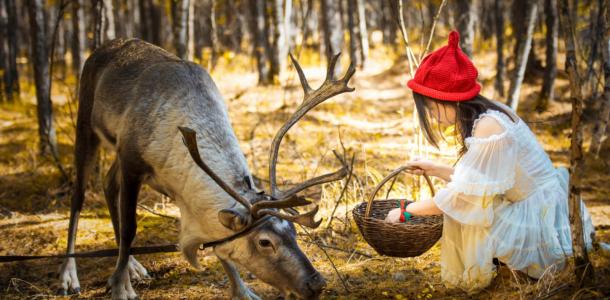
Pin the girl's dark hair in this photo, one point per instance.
(466, 113)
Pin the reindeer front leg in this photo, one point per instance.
(130, 187)
(239, 290)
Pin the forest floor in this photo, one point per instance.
(375, 123)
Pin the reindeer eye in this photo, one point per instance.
(264, 243)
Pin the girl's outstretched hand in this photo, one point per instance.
(419, 167)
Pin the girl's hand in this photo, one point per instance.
(393, 216)
(430, 168)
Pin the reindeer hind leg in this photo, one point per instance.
(86, 149)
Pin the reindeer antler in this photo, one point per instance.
(190, 140)
(287, 200)
(329, 88)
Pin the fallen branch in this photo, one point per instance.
(340, 249)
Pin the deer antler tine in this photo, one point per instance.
(306, 219)
(289, 202)
(330, 73)
(317, 180)
(190, 141)
(348, 75)
(306, 88)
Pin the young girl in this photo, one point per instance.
(503, 199)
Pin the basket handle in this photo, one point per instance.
(387, 178)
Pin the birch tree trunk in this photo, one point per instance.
(363, 33)
(180, 24)
(601, 126)
(466, 23)
(552, 30)
(333, 31)
(584, 270)
(4, 94)
(522, 56)
(354, 33)
(12, 74)
(278, 53)
(500, 67)
(79, 36)
(261, 44)
(40, 64)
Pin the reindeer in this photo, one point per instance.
(143, 103)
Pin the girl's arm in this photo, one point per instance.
(423, 208)
(420, 167)
(419, 208)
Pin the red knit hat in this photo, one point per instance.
(447, 74)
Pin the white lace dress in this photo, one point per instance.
(506, 201)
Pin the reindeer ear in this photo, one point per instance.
(234, 219)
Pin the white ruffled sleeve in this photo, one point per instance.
(487, 169)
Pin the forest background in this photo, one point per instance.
(548, 59)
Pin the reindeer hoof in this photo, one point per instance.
(71, 291)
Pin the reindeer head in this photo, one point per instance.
(268, 246)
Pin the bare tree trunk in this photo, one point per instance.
(132, 20)
(108, 30)
(333, 31)
(190, 46)
(363, 33)
(4, 94)
(388, 23)
(354, 33)
(601, 126)
(500, 67)
(146, 23)
(288, 28)
(552, 30)
(584, 269)
(79, 36)
(8, 50)
(40, 64)
(214, 33)
(278, 53)
(467, 12)
(13, 81)
(180, 22)
(522, 56)
(104, 23)
(261, 44)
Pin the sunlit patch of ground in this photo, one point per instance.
(375, 123)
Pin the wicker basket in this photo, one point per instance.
(409, 239)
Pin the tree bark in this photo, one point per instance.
(279, 52)
(180, 24)
(146, 20)
(601, 126)
(388, 23)
(552, 30)
(4, 94)
(13, 43)
(354, 33)
(584, 270)
(79, 36)
(466, 23)
(333, 32)
(500, 66)
(104, 23)
(522, 57)
(132, 20)
(363, 33)
(261, 44)
(40, 64)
